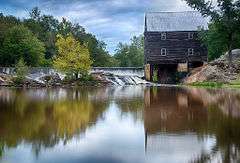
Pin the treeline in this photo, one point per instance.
(128, 55)
(33, 39)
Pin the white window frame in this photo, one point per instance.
(163, 36)
(163, 52)
(190, 36)
(190, 51)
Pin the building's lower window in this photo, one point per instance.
(163, 36)
(190, 36)
(190, 51)
(163, 52)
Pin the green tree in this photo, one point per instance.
(45, 27)
(6, 22)
(131, 55)
(225, 19)
(19, 43)
(21, 71)
(72, 57)
(97, 49)
(215, 42)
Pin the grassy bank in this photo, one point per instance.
(235, 84)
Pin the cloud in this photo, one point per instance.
(110, 20)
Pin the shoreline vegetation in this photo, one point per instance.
(214, 85)
(52, 81)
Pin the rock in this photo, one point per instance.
(5, 80)
(51, 80)
(217, 70)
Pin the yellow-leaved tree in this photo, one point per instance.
(73, 57)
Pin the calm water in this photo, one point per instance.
(119, 125)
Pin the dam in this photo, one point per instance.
(118, 76)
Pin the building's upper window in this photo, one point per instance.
(190, 51)
(190, 36)
(163, 52)
(163, 36)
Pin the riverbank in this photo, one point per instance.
(214, 85)
(51, 81)
(217, 73)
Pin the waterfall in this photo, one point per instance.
(121, 76)
(118, 76)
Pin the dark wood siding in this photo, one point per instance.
(177, 45)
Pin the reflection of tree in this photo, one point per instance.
(133, 106)
(1, 149)
(204, 112)
(226, 129)
(43, 123)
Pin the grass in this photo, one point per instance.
(207, 84)
(234, 84)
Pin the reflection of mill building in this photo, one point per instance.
(170, 113)
(172, 44)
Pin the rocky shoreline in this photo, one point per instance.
(51, 81)
(216, 73)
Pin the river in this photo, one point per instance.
(134, 124)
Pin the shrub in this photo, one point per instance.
(21, 71)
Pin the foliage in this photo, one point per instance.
(72, 57)
(207, 84)
(1, 149)
(19, 43)
(21, 71)
(46, 28)
(6, 22)
(225, 22)
(155, 76)
(131, 55)
(214, 43)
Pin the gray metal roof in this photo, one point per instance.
(175, 21)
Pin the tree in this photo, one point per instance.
(72, 57)
(97, 49)
(45, 28)
(6, 22)
(215, 42)
(225, 17)
(131, 55)
(21, 71)
(35, 14)
(19, 42)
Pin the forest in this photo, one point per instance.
(34, 40)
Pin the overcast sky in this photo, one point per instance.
(112, 21)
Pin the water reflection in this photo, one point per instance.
(125, 124)
(191, 117)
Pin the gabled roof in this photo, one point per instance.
(175, 21)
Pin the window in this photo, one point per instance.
(163, 52)
(190, 36)
(190, 51)
(163, 36)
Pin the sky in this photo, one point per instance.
(111, 21)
